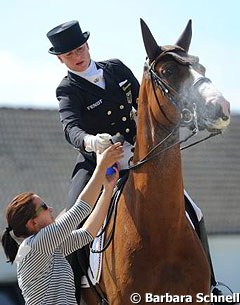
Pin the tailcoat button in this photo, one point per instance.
(121, 106)
(109, 112)
(127, 130)
(124, 118)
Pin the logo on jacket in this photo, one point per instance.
(126, 87)
(94, 105)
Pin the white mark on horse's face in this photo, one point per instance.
(217, 108)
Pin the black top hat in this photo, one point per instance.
(66, 37)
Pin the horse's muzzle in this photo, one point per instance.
(218, 108)
(217, 113)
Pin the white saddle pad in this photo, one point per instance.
(95, 261)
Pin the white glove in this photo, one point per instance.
(100, 142)
(124, 162)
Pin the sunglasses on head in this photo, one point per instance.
(43, 207)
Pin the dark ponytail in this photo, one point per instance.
(10, 245)
(19, 211)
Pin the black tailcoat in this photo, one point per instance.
(86, 108)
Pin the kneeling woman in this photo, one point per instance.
(44, 275)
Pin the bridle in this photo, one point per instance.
(188, 115)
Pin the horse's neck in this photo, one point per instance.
(160, 179)
(164, 171)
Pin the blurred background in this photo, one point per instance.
(34, 155)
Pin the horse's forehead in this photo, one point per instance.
(178, 54)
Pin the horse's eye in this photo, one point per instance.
(166, 71)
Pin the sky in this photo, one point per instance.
(29, 75)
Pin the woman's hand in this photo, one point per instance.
(111, 180)
(104, 160)
(110, 156)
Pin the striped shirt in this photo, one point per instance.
(44, 275)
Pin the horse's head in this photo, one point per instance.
(181, 90)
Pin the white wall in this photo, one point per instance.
(8, 271)
(225, 251)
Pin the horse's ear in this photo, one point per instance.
(152, 48)
(185, 39)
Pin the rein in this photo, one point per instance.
(213, 134)
(148, 157)
(112, 213)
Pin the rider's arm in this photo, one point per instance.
(71, 115)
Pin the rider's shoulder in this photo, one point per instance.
(113, 62)
(65, 83)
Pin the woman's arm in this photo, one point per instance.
(96, 218)
(92, 190)
(50, 237)
(76, 240)
(88, 232)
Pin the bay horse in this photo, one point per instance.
(155, 250)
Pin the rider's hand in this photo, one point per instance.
(97, 143)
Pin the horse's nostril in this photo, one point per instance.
(215, 111)
(225, 117)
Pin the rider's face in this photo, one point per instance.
(78, 59)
